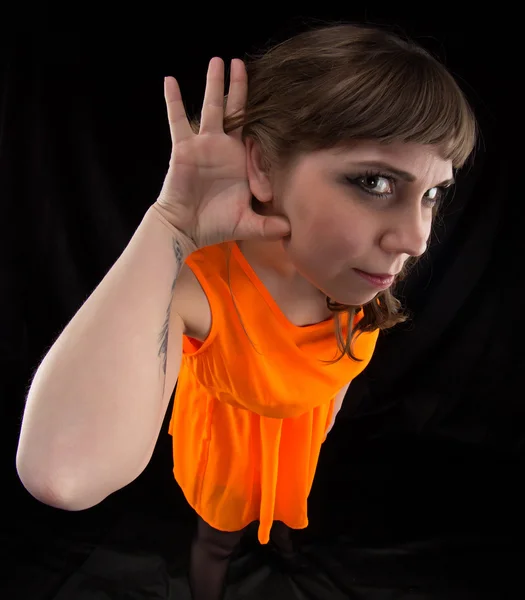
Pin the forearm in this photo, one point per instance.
(97, 400)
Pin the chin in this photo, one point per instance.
(351, 299)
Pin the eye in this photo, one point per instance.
(435, 195)
(379, 185)
(382, 185)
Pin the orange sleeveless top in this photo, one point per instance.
(254, 401)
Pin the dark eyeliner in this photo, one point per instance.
(355, 180)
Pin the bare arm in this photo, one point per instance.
(338, 403)
(97, 400)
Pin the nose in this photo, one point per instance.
(407, 232)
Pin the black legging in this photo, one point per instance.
(211, 551)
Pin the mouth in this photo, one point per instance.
(378, 280)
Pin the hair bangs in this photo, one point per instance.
(394, 97)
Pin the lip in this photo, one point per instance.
(381, 281)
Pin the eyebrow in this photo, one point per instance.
(405, 175)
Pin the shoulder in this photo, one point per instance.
(210, 259)
(190, 301)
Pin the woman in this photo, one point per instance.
(266, 270)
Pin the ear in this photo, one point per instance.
(258, 176)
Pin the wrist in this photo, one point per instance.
(186, 244)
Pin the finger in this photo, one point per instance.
(212, 117)
(238, 91)
(179, 126)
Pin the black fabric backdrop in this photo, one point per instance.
(418, 492)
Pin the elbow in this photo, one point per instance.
(62, 493)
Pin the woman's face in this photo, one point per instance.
(358, 210)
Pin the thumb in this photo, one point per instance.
(268, 228)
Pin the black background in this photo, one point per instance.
(418, 493)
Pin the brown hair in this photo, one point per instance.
(340, 82)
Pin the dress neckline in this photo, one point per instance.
(263, 290)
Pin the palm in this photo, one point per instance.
(212, 169)
(206, 190)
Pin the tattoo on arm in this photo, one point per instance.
(163, 351)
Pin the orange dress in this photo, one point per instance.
(253, 401)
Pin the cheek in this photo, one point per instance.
(324, 241)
